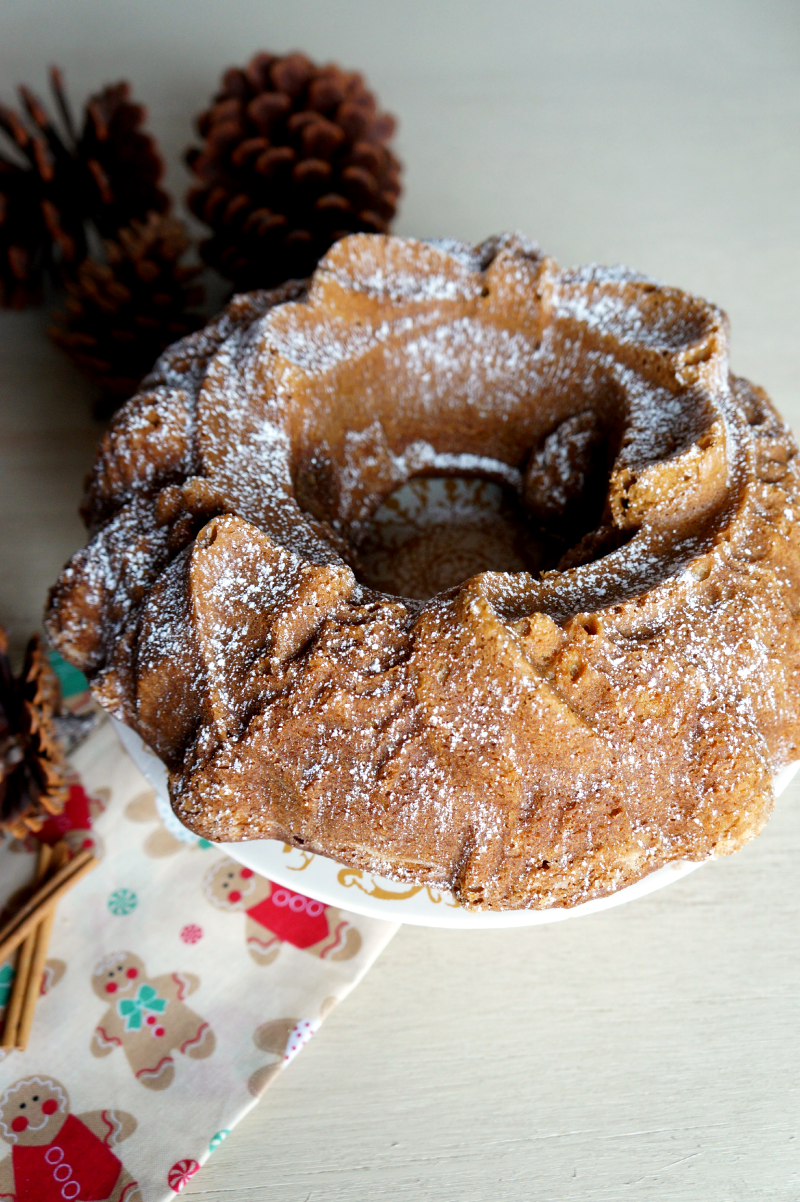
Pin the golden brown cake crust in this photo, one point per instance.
(523, 739)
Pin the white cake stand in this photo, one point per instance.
(374, 896)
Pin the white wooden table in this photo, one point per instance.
(652, 1052)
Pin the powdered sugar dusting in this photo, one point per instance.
(525, 738)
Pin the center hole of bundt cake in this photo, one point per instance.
(434, 532)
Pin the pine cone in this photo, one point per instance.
(61, 182)
(22, 238)
(295, 156)
(32, 767)
(123, 161)
(121, 313)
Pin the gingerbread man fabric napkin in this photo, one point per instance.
(178, 985)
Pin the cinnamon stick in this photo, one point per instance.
(41, 942)
(45, 897)
(23, 965)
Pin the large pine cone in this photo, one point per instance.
(121, 313)
(32, 768)
(58, 183)
(295, 156)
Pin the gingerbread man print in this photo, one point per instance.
(282, 1038)
(276, 915)
(57, 1156)
(168, 836)
(148, 1018)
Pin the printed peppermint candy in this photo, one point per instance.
(217, 1139)
(180, 1173)
(122, 901)
(192, 933)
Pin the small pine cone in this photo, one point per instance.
(23, 238)
(123, 312)
(33, 781)
(104, 177)
(295, 156)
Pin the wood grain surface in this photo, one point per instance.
(653, 1052)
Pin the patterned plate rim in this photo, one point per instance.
(376, 897)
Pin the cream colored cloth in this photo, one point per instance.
(178, 984)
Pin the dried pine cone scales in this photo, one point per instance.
(122, 160)
(32, 767)
(122, 313)
(22, 238)
(295, 156)
(57, 180)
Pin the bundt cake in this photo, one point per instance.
(531, 737)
